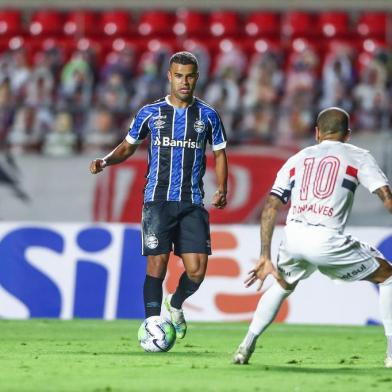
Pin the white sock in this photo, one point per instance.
(386, 311)
(265, 313)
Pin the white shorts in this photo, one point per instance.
(306, 248)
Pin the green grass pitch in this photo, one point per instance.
(91, 355)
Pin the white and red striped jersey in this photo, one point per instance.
(321, 181)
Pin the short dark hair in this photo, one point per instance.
(184, 58)
(333, 120)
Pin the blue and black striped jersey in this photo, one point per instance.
(176, 153)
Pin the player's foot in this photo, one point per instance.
(243, 353)
(388, 362)
(177, 318)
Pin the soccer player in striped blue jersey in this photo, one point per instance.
(179, 127)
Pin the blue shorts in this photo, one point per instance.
(179, 224)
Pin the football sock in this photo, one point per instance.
(386, 311)
(186, 287)
(268, 308)
(152, 293)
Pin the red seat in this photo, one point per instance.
(299, 24)
(10, 22)
(116, 22)
(82, 22)
(190, 23)
(372, 24)
(371, 45)
(46, 23)
(225, 23)
(154, 23)
(262, 23)
(334, 24)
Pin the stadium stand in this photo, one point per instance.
(267, 72)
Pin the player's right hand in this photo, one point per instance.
(263, 268)
(97, 165)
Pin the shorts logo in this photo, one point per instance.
(199, 126)
(151, 241)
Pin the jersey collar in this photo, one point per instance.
(175, 107)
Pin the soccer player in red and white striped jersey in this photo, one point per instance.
(320, 181)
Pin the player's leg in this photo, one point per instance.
(192, 243)
(152, 289)
(383, 277)
(195, 269)
(291, 271)
(190, 281)
(266, 311)
(158, 224)
(356, 260)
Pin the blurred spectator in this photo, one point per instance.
(6, 111)
(28, 129)
(101, 135)
(40, 84)
(231, 59)
(370, 97)
(152, 80)
(223, 93)
(61, 141)
(19, 73)
(302, 76)
(264, 83)
(113, 93)
(120, 62)
(77, 82)
(259, 125)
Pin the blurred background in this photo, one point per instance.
(74, 73)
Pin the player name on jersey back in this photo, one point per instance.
(321, 181)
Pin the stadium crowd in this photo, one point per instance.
(64, 96)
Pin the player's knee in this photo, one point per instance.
(196, 276)
(383, 273)
(156, 266)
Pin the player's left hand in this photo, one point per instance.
(263, 268)
(219, 199)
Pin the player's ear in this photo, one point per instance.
(169, 76)
(317, 135)
(348, 135)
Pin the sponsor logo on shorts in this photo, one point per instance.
(354, 273)
(151, 241)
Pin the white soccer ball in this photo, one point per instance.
(156, 334)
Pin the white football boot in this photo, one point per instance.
(243, 353)
(177, 318)
(388, 362)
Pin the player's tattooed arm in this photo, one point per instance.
(385, 194)
(268, 220)
(264, 266)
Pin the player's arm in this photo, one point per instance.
(123, 151)
(221, 170)
(264, 267)
(138, 131)
(385, 194)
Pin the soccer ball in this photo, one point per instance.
(156, 334)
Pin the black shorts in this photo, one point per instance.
(179, 223)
